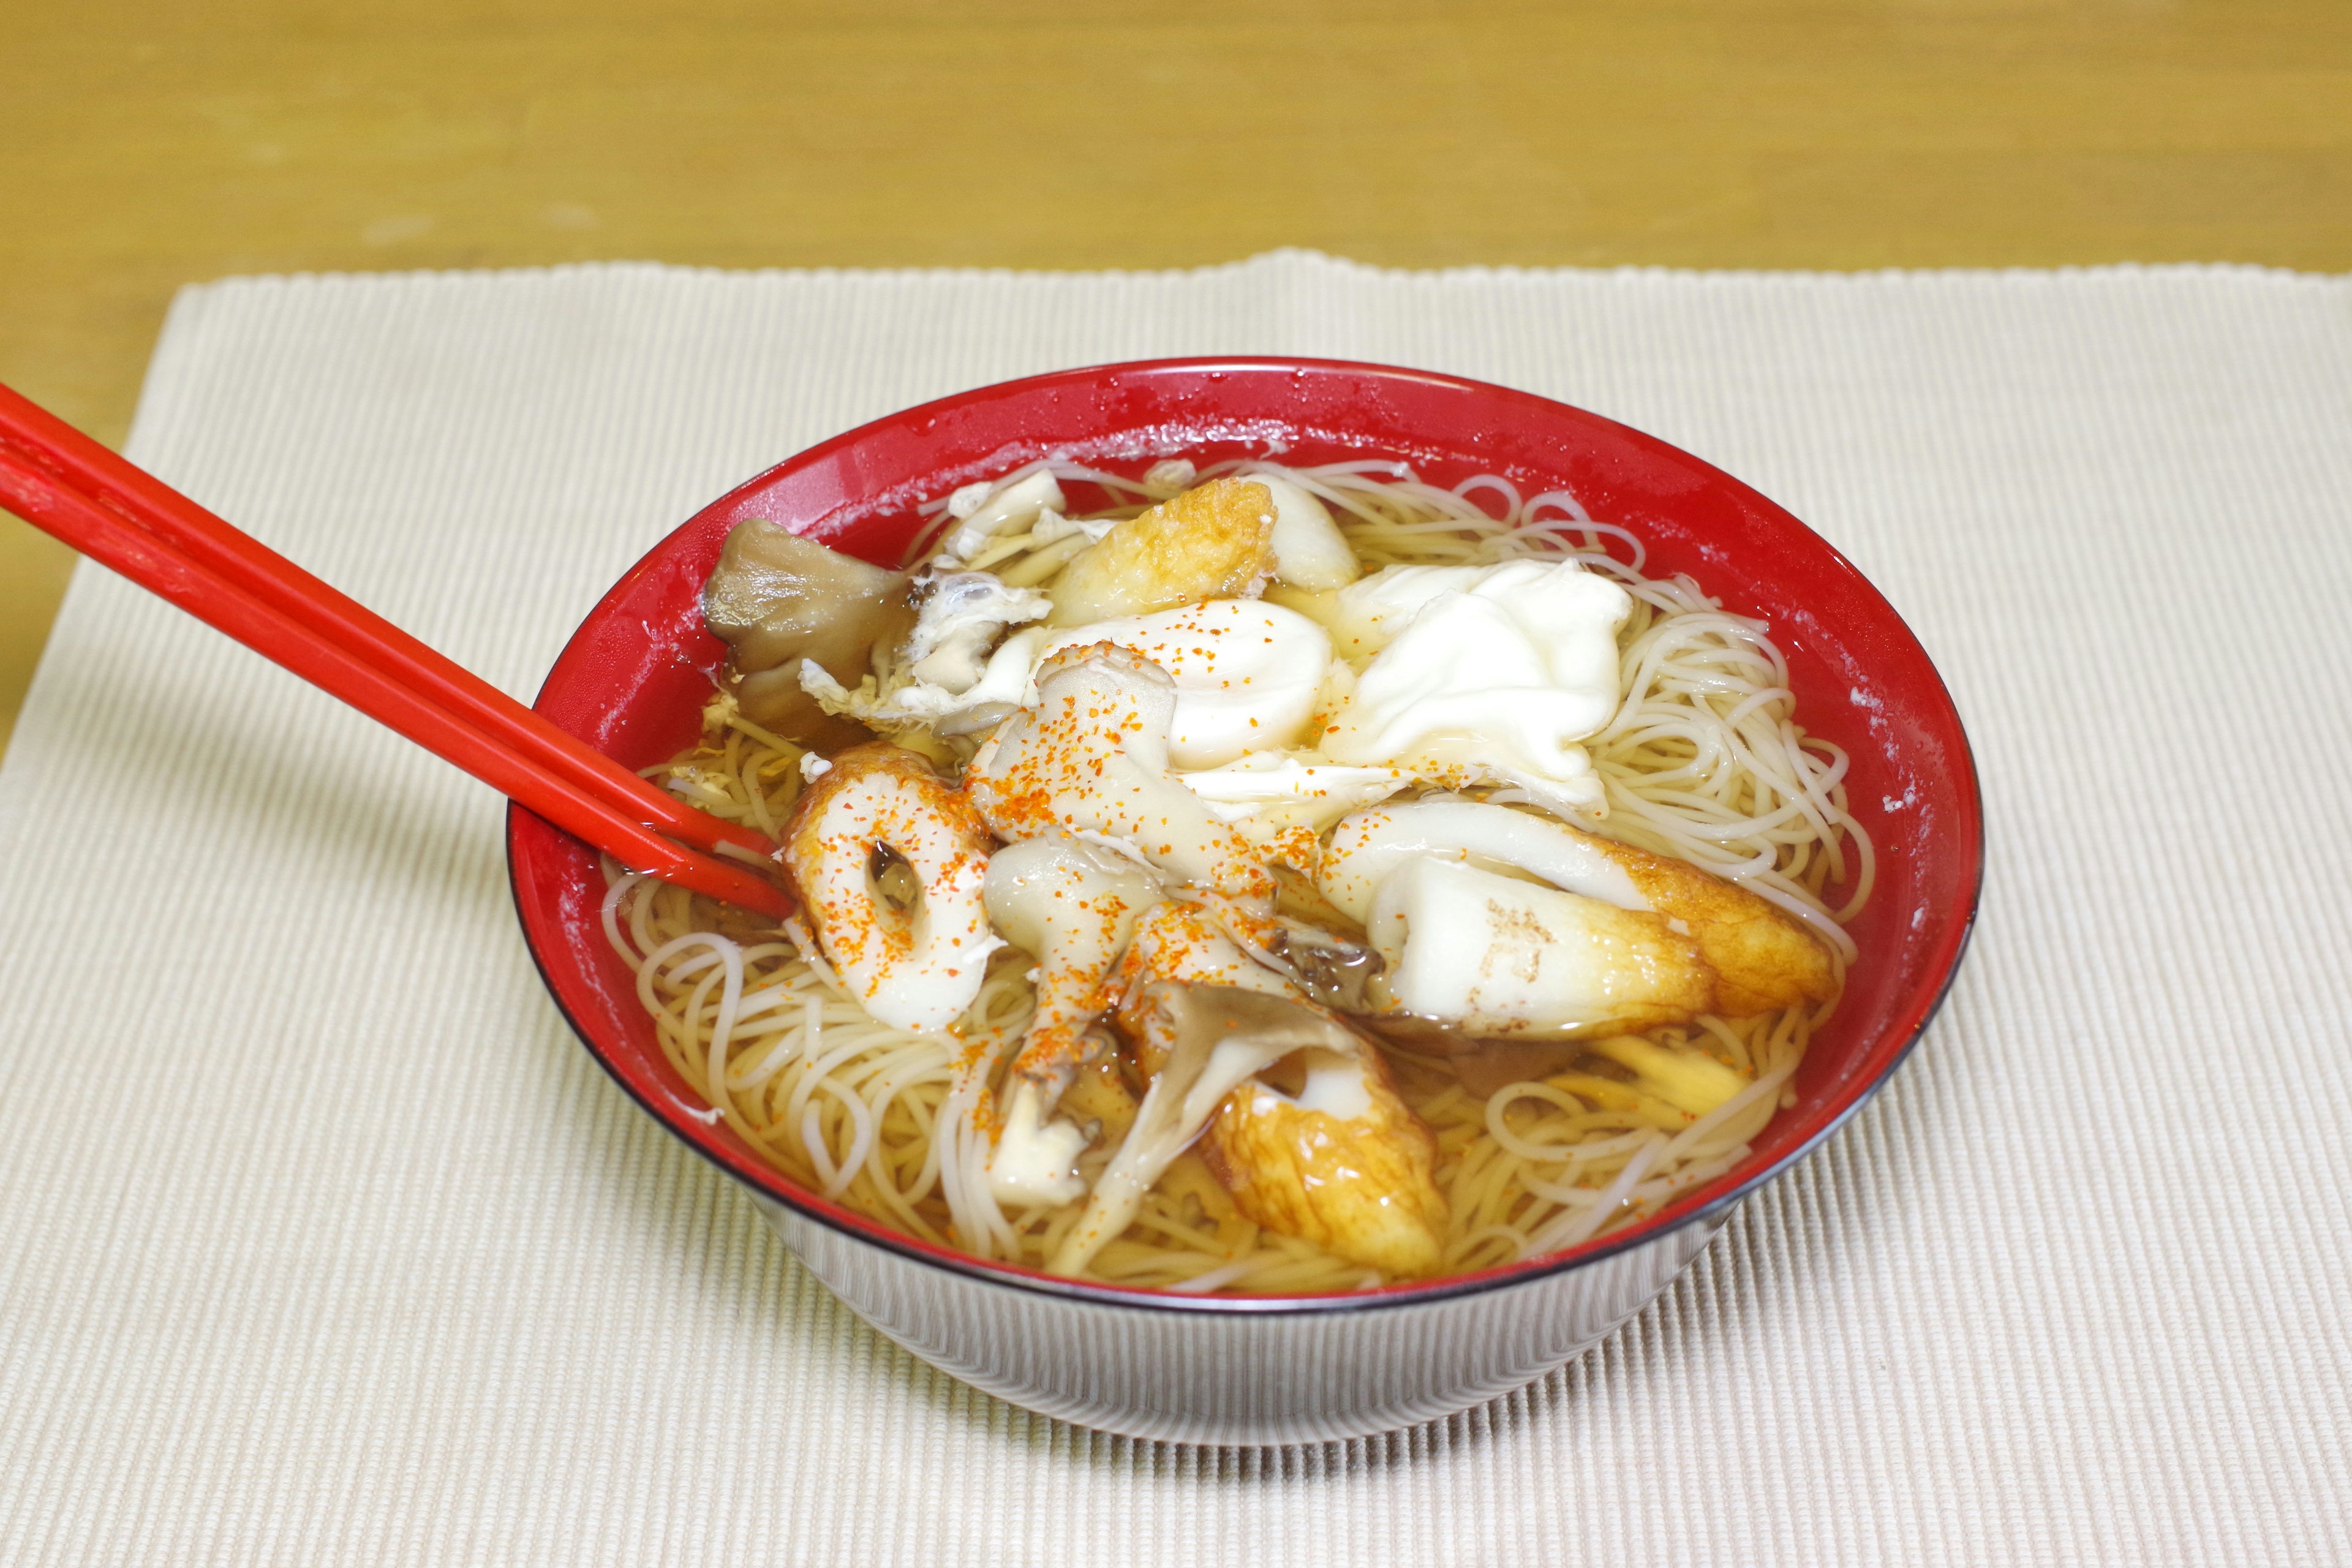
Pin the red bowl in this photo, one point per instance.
(1152, 1364)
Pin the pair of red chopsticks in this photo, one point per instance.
(64, 483)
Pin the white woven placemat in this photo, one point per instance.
(325, 1243)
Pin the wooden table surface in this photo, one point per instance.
(145, 144)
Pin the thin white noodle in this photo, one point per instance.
(1574, 1226)
(1214, 1280)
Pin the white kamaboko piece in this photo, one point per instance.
(1180, 941)
(983, 511)
(1092, 758)
(1497, 957)
(890, 862)
(1368, 846)
(1494, 681)
(1246, 673)
(1763, 958)
(1314, 791)
(1309, 550)
(1074, 906)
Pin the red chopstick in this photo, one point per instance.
(114, 483)
(68, 486)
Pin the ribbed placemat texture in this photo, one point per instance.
(324, 1242)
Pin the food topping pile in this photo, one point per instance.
(1201, 839)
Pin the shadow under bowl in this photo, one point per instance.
(1161, 1365)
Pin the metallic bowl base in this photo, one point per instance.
(1246, 1377)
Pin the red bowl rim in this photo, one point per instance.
(1891, 1045)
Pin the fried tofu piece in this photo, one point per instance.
(1763, 959)
(1213, 541)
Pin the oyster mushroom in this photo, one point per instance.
(983, 511)
(1074, 906)
(779, 601)
(958, 671)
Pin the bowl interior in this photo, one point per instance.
(634, 677)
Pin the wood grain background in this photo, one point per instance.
(145, 144)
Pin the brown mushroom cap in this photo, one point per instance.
(776, 600)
